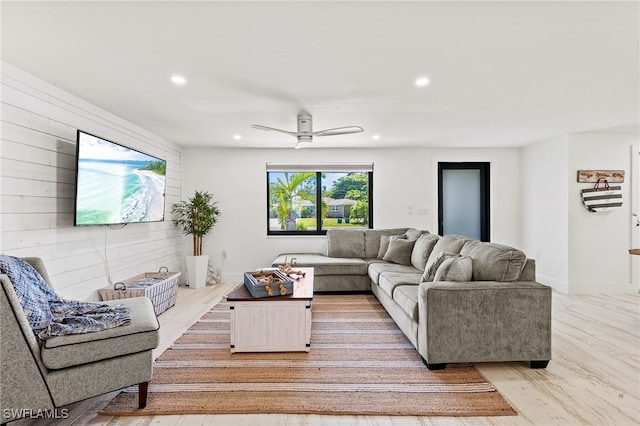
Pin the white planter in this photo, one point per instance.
(197, 270)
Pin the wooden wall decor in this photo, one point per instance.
(612, 176)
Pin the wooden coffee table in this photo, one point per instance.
(272, 324)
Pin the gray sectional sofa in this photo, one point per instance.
(458, 300)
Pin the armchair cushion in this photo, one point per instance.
(76, 349)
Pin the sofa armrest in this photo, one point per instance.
(484, 321)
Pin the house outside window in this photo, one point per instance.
(296, 193)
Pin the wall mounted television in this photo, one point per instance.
(116, 184)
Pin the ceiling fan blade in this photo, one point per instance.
(271, 129)
(339, 131)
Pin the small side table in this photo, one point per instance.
(272, 324)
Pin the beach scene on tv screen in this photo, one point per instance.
(117, 184)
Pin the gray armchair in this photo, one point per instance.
(37, 376)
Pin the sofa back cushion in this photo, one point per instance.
(494, 262)
(448, 243)
(413, 233)
(422, 249)
(345, 242)
(372, 240)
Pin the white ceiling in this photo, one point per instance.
(502, 73)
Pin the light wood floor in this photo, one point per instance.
(593, 378)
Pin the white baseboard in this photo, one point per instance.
(561, 286)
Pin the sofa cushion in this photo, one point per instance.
(413, 234)
(76, 349)
(494, 262)
(390, 280)
(399, 251)
(384, 244)
(458, 268)
(378, 267)
(372, 240)
(448, 243)
(324, 265)
(422, 249)
(406, 296)
(433, 265)
(345, 242)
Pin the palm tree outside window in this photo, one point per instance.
(295, 192)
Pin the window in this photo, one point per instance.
(296, 193)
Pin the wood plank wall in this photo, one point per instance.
(37, 172)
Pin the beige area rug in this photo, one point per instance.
(359, 363)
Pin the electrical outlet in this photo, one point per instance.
(224, 254)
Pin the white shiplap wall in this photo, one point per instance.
(37, 172)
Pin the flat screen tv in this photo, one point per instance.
(116, 184)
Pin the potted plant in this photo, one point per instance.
(197, 217)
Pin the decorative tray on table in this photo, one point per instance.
(268, 283)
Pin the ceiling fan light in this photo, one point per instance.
(422, 81)
(178, 80)
(303, 144)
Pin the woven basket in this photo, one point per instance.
(160, 287)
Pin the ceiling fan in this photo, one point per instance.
(305, 131)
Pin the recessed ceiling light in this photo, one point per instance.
(422, 82)
(376, 137)
(178, 80)
(237, 137)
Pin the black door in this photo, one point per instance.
(463, 200)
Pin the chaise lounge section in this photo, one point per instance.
(458, 300)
